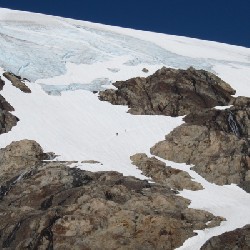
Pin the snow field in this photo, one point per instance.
(77, 126)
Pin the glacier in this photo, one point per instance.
(33, 60)
(40, 47)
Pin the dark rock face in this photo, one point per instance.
(4, 105)
(7, 120)
(170, 92)
(17, 81)
(238, 239)
(1, 83)
(160, 173)
(215, 141)
(47, 205)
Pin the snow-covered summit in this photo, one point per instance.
(69, 52)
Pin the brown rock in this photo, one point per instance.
(170, 92)
(17, 82)
(7, 120)
(215, 141)
(160, 173)
(19, 156)
(52, 206)
(4, 105)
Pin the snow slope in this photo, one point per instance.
(61, 56)
(77, 126)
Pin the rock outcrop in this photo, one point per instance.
(17, 82)
(1, 83)
(238, 239)
(17, 156)
(7, 120)
(47, 205)
(160, 173)
(215, 141)
(170, 92)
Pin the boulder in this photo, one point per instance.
(19, 156)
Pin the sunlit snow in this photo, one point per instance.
(77, 126)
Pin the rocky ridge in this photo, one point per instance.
(215, 141)
(17, 82)
(165, 175)
(170, 92)
(48, 205)
(7, 120)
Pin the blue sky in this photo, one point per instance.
(225, 21)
